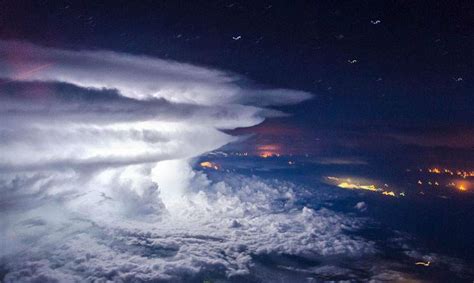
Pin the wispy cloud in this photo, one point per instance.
(138, 77)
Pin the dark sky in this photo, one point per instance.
(392, 79)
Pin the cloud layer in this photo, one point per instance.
(217, 228)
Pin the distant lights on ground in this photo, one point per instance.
(461, 173)
(352, 185)
(267, 154)
(269, 150)
(347, 185)
(391, 193)
(210, 165)
(461, 185)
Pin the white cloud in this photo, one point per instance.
(361, 206)
(62, 108)
(138, 77)
(95, 177)
(93, 241)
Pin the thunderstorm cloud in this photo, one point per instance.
(96, 172)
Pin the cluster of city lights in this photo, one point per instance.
(209, 165)
(354, 185)
(459, 185)
(269, 150)
(460, 181)
(461, 173)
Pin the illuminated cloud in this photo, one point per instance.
(96, 147)
(138, 77)
(97, 181)
(106, 108)
(220, 228)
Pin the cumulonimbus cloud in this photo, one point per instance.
(96, 182)
(101, 138)
(73, 108)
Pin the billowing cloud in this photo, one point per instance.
(64, 108)
(216, 228)
(96, 178)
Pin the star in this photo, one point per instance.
(423, 263)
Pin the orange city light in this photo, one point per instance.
(348, 185)
(392, 194)
(266, 154)
(209, 164)
(462, 186)
(269, 150)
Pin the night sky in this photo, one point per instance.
(203, 116)
(408, 88)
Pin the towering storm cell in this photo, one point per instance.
(90, 111)
(96, 177)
